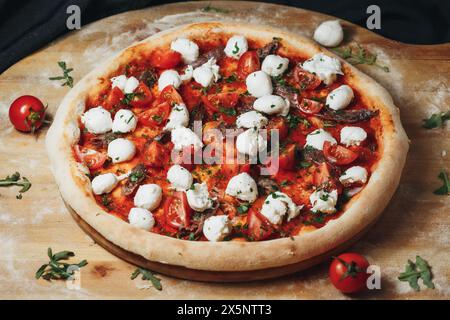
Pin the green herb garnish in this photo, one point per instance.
(210, 8)
(55, 269)
(14, 180)
(228, 111)
(445, 188)
(415, 271)
(243, 208)
(68, 79)
(436, 120)
(129, 97)
(147, 275)
(358, 55)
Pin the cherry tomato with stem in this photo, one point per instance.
(27, 113)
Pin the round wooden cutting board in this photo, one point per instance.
(416, 222)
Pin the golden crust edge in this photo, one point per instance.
(226, 256)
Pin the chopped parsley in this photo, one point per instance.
(235, 49)
(228, 111)
(243, 208)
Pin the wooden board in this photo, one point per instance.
(415, 222)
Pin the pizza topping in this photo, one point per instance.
(338, 155)
(259, 84)
(141, 218)
(329, 33)
(274, 65)
(207, 73)
(215, 228)
(269, 48)
(127, 85)
(104, 183)
(217, 53)
(124, 121)
(352, 175)
(188, 49)
(148, 196)
(325, 67)
(272, 104)
(137, 175)
(97, 120)
(353, 136)
(323, 201)
(120, 150)
(179, 178)
(251, 119)
(148, 77)
(179, 117)
(198, 197)
(348, 116)
(188, 74)
(340, 97)
(266, 186)
(169, 78)
(242, 187)
(317, 138)
(236, 46)
(277, 205)
(250, 142)
(185, 137)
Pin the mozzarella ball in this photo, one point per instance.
(188, 49)
(277, 205)
(124, 121)
(272, 104)
(185, 137)
(179, 178)
(131, 85)
(148, 196)
(259, 84)
(215, 228)
(236, 47)
(274, 65)
(169, 78)
(353, 136)
(325, 67)
(141, 218)
(243, 187)
(316, 139)
(329, 33)
(97, 120)
(340, 97)
(198, 197)
(120, 150)
(354, 174)
(179, 117)
(323, 201)
(119, 82)
(251, 119)
(188, 73)
(104, 183)
(207, 73)
(250, 142)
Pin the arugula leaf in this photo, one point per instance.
(445, 188)
(436, 120)
(14, 180)
(415, 271)
(358, 55)
(55, 269)
(68, 79)
(147, 275)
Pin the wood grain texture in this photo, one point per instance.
(415, 222)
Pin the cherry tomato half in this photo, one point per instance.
(248, 63)
(338, 154)
(142, 96)
(155, 154)
(177, 211)
(170, 95)
(223, 105)
(155, 116)
(258, 227)
(310, 106)
(348, 272)
(165, 59)
(306, 80)
(92, 159)
(27, 113)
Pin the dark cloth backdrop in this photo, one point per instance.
(27, 25)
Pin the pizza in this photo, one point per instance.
(227, 147)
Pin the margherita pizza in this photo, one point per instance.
(227, 147)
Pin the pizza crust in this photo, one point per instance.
(361, 211)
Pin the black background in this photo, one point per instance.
(27, 25)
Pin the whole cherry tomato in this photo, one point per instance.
(27, 113)
(348, 272)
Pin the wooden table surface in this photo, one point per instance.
(415, 222)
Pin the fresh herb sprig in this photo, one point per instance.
(68, 80)
(415, 271)
(445, 188)
(15, 180)
(358, 55)
(436, 120)
(55, 269)
(147, 275)
(210, 8)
